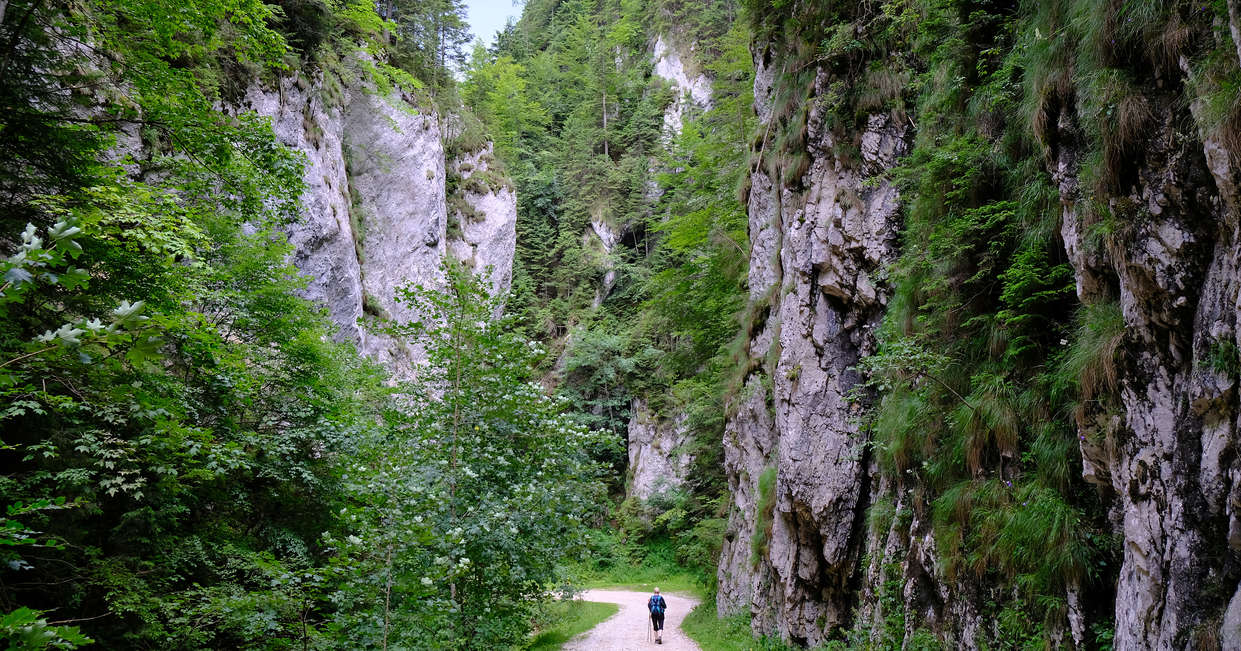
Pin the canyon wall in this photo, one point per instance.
(1155, 234)
(791, 548)
(1163, 448)
(376, 214)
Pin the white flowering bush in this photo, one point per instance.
(478, 490)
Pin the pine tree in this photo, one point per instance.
(431, 38)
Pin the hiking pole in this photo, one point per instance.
(648, 630)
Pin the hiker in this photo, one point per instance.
(657, 606)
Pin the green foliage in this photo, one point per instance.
(596, 372)
(241, 408)
(25, 629)
(703, 251)
(171, 413)
(570, 618)
(704, 627)
(1091, 360)
(462, 509)
(972, 420)
(577, 118)
(764, 510)
(431, 36)
(181, 433)
(496, 91)
(1224, 357)
(617, 560)
(731, 633)
(698, 547)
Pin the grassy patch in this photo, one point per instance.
(710, 632)
(727, 634)
(642, 577)
(571, 618)
(682, 584)
(766, 510)
(641, 568)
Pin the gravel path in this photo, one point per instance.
(626, 630)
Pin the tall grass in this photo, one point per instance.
(728, 633)
(1092, 359)
(765, 509)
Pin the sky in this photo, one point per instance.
(488, 17)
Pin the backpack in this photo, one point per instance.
(656, 605)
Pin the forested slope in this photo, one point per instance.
(620, 124)
(255, 392)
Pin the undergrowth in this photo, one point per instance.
(614, 563)
(564, 620)
(727, 633)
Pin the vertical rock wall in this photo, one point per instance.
(657, 463)
(693, 89)
(817, 241)
(486, 238)
(375, 206)
(1163, 447)
(1160, 445)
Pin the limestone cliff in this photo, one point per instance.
(789, 556)
(658, 462)
(1162, 447)
(482, 222)
(1145, 191)
(376, 213)
(691, 89)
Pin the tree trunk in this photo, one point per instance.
(605, 123)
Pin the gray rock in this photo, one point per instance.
(658, 460)
(693, 89)
(1162, 447)
(1230, 628)
(323, 241)
(604, 236)
(396, 170)
(375, 208)
(488, 238)
(814, 255)
(1168, 436)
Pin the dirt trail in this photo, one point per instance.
(627, 629)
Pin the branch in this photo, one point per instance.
(18, 359)
(80, 619)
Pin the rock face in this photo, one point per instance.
(323, 242)
(656, 463)
(375, 206)
(816, 242)
(1163, 447)
(691, 88)
(486, 239)
(1160, 443)
(606, 238)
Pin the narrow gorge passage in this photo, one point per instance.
(628, 629)
(359, 324)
